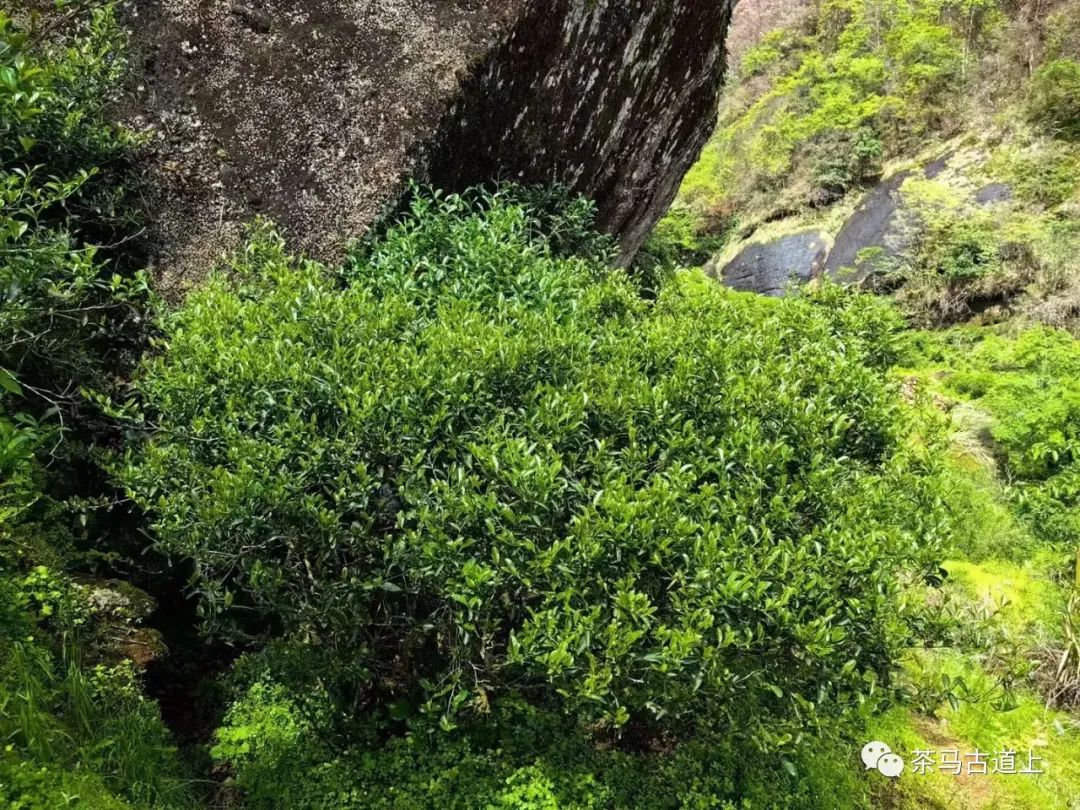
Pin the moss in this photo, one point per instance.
(885, 71)
(1053, 736)
(1030, 604)
(1044, 173)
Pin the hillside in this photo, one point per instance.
(358, 449)
(930, 147)
(929, 153)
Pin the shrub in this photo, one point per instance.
(683, 238)
(846, 160)
(961, 249)
(70, 308)
(480, 467)
(959, 261)
(518, 757)
(73, 733)
(1027, 384)
(774, 46)
(1054, 98)
(1045, 175)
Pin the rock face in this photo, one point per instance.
(770, 267)
(306, 111)
(614, 98)
(314, 112)
(873, 237)
(872, 234)
(993, 193)
(115, 614)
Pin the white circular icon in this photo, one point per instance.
(877, 756)
(890, 765)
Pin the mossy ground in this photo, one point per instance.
(1001, 572)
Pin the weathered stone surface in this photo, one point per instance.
(994, 193)
(935, 167)
(871, 235)
(116, 612)
(770, 267)
(614, 98)
(882, 235)
(313, 112)
(306, 111)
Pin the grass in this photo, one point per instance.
(991, 382)
(1053, 736)
(1031, 604)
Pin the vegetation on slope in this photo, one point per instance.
(490, 523)
(820, 112)
(968, 105)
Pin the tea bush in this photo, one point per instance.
(518, 757)
(70, 304)
(479, 467)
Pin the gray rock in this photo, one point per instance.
(871, 236)
(936, 167)
(770, 267)
(113, 624)
(994, 193)
(315, 112)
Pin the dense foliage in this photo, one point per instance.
(517, 757)
(481, 466)
(1028, 384)
(494, 525)
(69, 312)
(1053, 102)
(76, 729)
(817, 108)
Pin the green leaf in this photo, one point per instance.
(9, 384)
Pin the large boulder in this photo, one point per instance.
(614, 98)
(315, 112)
(872, 236)
(770, 267)
(879, 237)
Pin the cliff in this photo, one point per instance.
(316, 112)
(614, 98)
